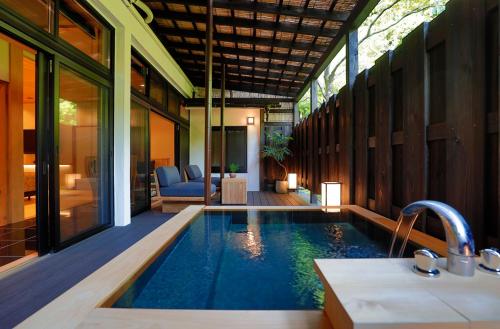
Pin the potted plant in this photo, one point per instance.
(277, 148)
(233, 168)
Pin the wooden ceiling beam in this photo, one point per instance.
(248, 23)
(182, 57)
(272, 82)
(247, 86)
(269, 8)
(243, 102)
(243, 39)
(232, 71)
(244, 52)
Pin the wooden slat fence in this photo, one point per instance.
(422, 123)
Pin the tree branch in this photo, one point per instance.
(415, 11)
(380, 15)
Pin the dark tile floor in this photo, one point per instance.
(30, 288)
(17, 240)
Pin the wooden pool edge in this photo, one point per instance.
(80, 304)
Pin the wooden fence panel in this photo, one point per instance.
(315, 157)
(424, 125)
(310, 153)
(383, 155)
(361, 140)
(492, 220)
(345, 143)
(332, 147)
(415, 80)
(465, 90)
(323, 170)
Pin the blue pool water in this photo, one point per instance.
(255, 260)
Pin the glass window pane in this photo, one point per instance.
(18, 190)
(216, 149)
(157, 89)
(138, 75)
(80, 163)
(173, 101)
(162, 140)
(138, 156)
(236, 147)
(82, 30)
(39, 12)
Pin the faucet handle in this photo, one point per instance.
(426, 263)
(490, 261)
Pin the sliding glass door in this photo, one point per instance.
(82, 158)
(139, 167)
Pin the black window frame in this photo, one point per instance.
(52, 50)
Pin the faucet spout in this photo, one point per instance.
(461, 251)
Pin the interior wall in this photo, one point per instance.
(162, 141)
(232, 117)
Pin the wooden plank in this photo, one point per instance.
(438, 131)
(398, 138)
(315, 153)
(415, 79)
(383, 154)
(331, 138)
(465, 111)
(391, 284)
(323, 143)
(208, 319)
(346, 144)
(361, 140)
(310, 153)
(347, 122)
(437, 31)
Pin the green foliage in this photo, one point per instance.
(384, 29)
(305, 104)
(277, 148)
(233, 167)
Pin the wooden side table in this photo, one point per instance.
(234, 190)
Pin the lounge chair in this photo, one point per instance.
(193, 174)
(170, 188)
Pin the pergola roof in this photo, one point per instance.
(268, 46)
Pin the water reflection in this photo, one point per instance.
(253, 241)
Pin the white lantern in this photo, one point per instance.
(292, 181)
(330, 194)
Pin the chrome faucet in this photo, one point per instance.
(459, 238)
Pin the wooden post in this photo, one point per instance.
(314, 95)
(222, 134)
(296, 116)
(208, 102)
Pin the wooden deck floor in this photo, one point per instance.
(274, 199)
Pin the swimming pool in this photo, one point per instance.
(252, 260)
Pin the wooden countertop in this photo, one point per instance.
(385, 293)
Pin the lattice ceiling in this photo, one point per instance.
(269, 46)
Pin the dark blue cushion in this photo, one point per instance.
(168, 176)
(189, 189)
(215, 180)
(193, 172)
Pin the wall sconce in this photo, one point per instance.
(292, 181)
(250, 121)
(330, 194)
